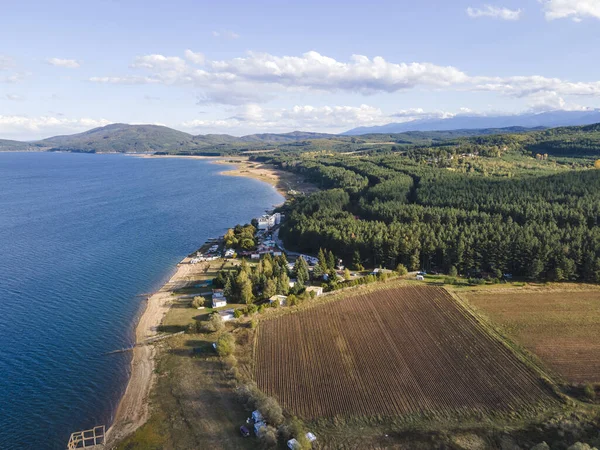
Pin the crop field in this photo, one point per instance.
(393, 352)
(561, 328)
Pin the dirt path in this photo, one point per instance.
(133, 410)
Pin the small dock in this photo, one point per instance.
(89, 439)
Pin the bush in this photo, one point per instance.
(476, 281)
(251, 309)
(225, 345)
(253, 323)
(268, 435)
(401, 269)
(452, 272)
(215, 323)
(238, 313)
(270, 410)
(589, 392)
(198, 302)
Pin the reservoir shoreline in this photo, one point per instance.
(133, 409)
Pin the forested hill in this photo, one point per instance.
(480, 216)
(566, 142)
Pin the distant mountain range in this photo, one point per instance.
(465, 122)
(123, 138)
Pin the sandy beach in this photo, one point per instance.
(281, 180)
(133, 409)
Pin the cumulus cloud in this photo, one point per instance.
(194, 57)
(66, 63)
(551, 101)
(226, 34)
(576, 10)
(25, 127)
(494, 12)
(258, 77)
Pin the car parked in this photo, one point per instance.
(245, 432)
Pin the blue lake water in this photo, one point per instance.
(80, 237)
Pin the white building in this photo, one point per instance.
(281, 299)
(227, 315)
(269, 221)
(218, 298)
(318, 290)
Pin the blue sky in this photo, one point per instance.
(273, 66)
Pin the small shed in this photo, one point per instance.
(318, 290)
(218, 302)
(257, 416)
(227, 315)
(311, 437)
(420, 278)
(293, 444)
(281, 299)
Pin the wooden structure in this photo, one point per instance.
(93, 438)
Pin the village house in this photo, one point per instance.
(218, 298)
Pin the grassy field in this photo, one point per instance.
(561, 327)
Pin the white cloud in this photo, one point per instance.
(66, 63)
(259, 77)
(577, 10)
(551, 101)
(196, 58)
(25, 127)
(226, 34)
(494, 12)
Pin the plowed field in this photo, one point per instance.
(393, 352)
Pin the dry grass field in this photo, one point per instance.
(561, 328)
(394, 352)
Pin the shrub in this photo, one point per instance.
(452, 272)
(251, 309)
(401, 269)
(253, 323)
(268, 435)
(589, 392)
(238, 313)
(198, 302)
(225, 345)
(215, 322)
(270, 410)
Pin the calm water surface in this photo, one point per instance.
(80, 237)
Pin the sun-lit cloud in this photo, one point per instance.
(494, 12)
(194, 57)
(260, 77)
(65, 63)
(576, 10)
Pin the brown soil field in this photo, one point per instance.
(400, 351)
(561, 328)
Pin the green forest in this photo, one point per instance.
(483, 206)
